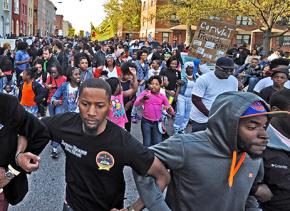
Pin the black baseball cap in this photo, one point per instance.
(225, 62)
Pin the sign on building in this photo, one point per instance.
(212, 39)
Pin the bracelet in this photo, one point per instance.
(16, 156)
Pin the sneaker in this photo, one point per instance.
(54, 153)
(134, 119)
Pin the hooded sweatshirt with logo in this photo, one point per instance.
(200, 164)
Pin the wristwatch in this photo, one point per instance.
(11, 173)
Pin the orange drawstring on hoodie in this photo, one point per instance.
(235, 168)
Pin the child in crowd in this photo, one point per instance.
(153, 102)
(66, 96)
(183, 95)
(155, 68)
(30, 92)
(117, 114)
(39, 79)
(53, 82)
(127, 82)
(86, 72)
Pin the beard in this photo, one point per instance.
(91, 130)
(244, 147)
(255, 156)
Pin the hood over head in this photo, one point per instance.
(224, 117)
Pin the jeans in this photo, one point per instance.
(53, 110)
(31, 109)
(252, 83)
(198, 126)
(183, 108)
(150, 132)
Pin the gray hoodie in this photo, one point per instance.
(200, 164)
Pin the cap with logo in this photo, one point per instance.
(259, 109)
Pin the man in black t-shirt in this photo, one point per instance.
(97, 150)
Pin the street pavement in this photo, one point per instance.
(47, 185)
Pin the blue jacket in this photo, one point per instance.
(63, 91)
(21, 56)
(142, 72)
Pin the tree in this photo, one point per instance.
(265, 14)
(189, 12)
(127, 12)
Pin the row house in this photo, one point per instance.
(5, 17)
(26, 17)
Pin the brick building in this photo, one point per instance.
(15, 28)
(30, 6)
(151, 24)
(23, 17)
(247, 32)
(58, 24)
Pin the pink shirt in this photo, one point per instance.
(117, 113)
(152, 106)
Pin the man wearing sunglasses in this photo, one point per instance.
(208, 87)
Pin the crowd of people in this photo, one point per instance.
(225, 121)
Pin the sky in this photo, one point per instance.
(81, 13)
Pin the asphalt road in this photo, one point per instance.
(47, 185)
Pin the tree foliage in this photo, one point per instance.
(127, 12)
(266, 14)
(190, 11)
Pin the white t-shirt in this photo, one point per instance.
(113, 74)
(265, 82)
(208, 87)
(153, 72)
(72, 96)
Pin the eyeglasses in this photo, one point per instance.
(227, 70)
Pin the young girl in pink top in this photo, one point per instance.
(117, 113)
(153, 102)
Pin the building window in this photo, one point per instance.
(6, 5)
(16, 6)
(165, 36)
(243, 38)
(214, 18)
(283, 41)
(244, 20)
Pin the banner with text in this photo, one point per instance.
(212, 39)
(102, 33)
(71, 32)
